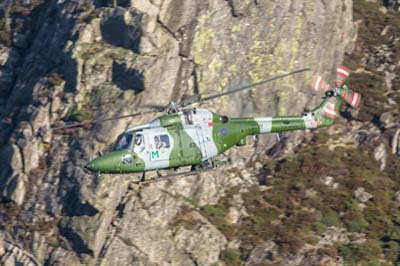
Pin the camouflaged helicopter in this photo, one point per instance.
(194, 136)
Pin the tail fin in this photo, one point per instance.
(328, 110)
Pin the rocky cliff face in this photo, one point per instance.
(77, 60)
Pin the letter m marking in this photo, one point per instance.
(154, 154)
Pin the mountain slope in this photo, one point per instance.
(78, 60)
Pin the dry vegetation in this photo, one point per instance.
(299, 207)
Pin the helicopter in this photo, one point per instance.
(194, 136)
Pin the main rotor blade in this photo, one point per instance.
(156, 107)
(251, 85)
(190, 100)
(103, 120)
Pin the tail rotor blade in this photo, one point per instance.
(341, 74)
(353, 98)
(318, 84)
(330, 108)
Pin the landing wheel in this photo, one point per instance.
(158, 173)
(207, 164)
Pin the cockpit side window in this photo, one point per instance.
(138, 139)
(124, 142)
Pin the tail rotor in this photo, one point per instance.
(351, 97)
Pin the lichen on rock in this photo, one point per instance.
(81, 60)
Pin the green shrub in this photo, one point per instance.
(216, 215)
(392, 251)
(78, 115)
(213, 211)
(289, 242)
(230, 257)
(330, 218)
(367, 254)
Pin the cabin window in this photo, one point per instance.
(161, 141)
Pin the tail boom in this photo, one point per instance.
(322, 116)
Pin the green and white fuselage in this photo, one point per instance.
(192, 136)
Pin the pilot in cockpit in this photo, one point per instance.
(138, 140)
(124, 142)
(138, 147)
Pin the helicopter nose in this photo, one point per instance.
(104, 164)
(91, 166)
(95, 165)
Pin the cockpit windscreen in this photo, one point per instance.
(124, 142)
